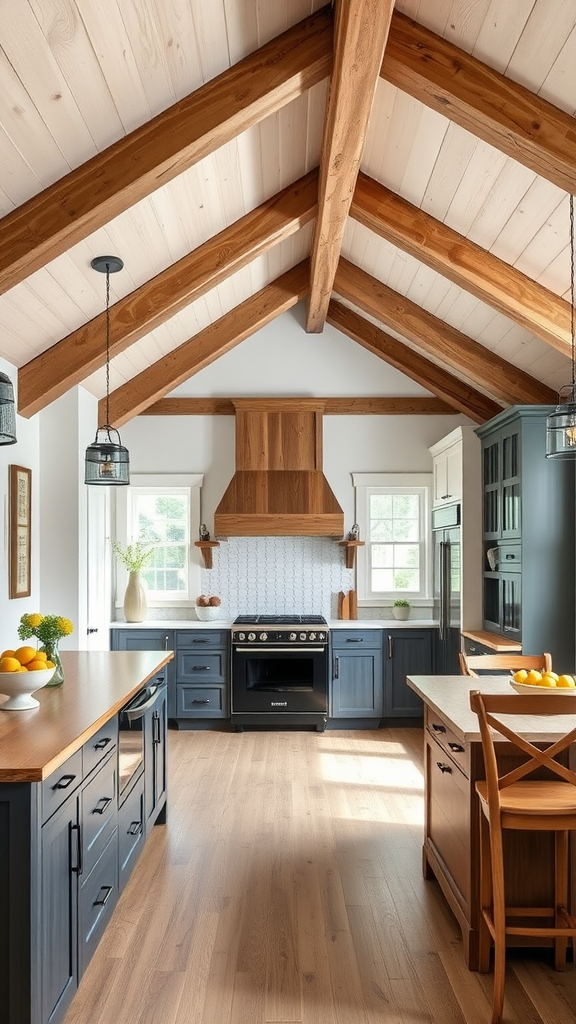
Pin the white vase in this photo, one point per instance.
(135, 605)
(401, 613)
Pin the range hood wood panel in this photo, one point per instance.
(278, 488)
(279, 503)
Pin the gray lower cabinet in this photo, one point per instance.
(131, 831)
(406, 652)
(356, 677)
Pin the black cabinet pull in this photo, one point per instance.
(200, 640)
(64, 781)
(106, 889)
(336, 667)
(135, 828)
(456, 747)
(198, 701)
(103, 743)
(156, 736)
(355, 640)
(444, 767)
(77, 867)
(201, 668)
(104, 802)
(390, 646)
(438, 728)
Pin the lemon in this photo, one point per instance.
(9, 665)
(36, 666)
(520, 676)
(547, 680)
(566, 682)
(534, 677)
(6, 654)
(25, 654)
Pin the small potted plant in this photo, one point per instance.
(401, 609)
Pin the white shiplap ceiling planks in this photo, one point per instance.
(78, 75)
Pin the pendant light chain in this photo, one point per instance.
(108, 344)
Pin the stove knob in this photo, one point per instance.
(263, 636)
(312, 636)
(251, 636)
(241, 636)
(302, 636)
(292, 636)
(321, 636)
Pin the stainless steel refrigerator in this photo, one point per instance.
(446, 587)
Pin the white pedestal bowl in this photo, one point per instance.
(19, 687)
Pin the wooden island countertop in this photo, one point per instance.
(34, 743)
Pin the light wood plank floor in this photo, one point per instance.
(287, 887)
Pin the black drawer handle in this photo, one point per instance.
(64, 782)
(438, 728)
(135, 828)
(103, 743)
(106, 889)
(104, 801)
(201, 668)
(77, 848)
(198, 701)
(444, 767)
(456, 747)
(510, 557)
(201, 640)
(355, 640)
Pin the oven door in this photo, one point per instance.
(280, 679)
(131, 724)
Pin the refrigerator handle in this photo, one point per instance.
(444, 589)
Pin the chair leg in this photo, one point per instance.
(499, 919)
(484, 936)
(560, 895)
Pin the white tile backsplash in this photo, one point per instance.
(278, 576)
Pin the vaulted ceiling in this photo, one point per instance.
(402, 168)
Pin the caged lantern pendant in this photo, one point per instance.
(7, 411)
(107, 461)
(561, 424)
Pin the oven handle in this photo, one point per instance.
(281, 650)
(139, 705)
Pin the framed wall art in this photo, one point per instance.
(20, 523)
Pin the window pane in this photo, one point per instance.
(382, 555)
(406, 579)
(382, 579)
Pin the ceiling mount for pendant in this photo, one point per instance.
(561, 424)
(107, 462)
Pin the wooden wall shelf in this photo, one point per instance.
(351, 546)
(206, 549)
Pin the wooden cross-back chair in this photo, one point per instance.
(514, 801)
(470, 663)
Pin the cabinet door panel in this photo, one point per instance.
(59, 962)
(407, 652)
(357, 684)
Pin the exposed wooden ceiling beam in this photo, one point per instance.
(220, 337)
(455, 393)
(486, 103)
(152, 155)
(342, 406)
(503, 381)
(360, 33)
(461, 261)
(69, 361)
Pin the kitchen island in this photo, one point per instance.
(453, 762)
(61, 831)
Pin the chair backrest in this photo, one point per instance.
(469, 663)
(492, 710)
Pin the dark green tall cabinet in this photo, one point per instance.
(528, 536)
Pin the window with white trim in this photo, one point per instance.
(393, 513)
(162, 511)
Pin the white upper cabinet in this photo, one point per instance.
(447, 472)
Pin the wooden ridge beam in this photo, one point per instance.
(463, 262)
(454, 393)
(152, 155)
(360, 33)
(151, 384)
(502, 380)
(340, 406)
(486, 103)
(73, 358)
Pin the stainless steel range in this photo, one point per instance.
(279, 671)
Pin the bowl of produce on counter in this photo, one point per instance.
(208, 608)
(542, 682)
(22, 672)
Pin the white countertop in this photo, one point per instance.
(449, 697)
(227, 624)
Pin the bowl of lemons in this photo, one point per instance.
(22, 672)
(542, 682)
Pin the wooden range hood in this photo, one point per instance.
(278, 488)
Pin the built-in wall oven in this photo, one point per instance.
(279, 672)
(131, 725)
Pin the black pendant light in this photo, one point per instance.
(561, 424)
(107, 461)
(7, 411)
